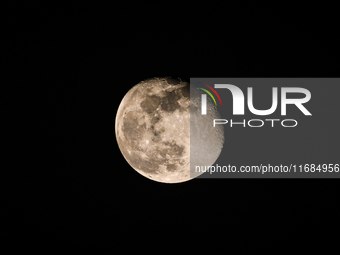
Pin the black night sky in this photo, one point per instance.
(65, 182)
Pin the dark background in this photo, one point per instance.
(66, 69)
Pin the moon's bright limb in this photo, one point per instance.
(206, 141)
(153, 130)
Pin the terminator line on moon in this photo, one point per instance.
(161, 132)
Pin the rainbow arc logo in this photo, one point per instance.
(208, 92)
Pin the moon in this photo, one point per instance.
(161, 133)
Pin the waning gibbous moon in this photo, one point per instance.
(161, 132)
